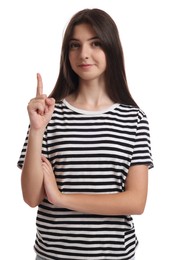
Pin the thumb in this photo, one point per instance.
(50, 103)
(52, 100)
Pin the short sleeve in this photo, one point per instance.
(142, 145)
(24, 149)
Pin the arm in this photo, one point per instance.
(131, 201)
(32, 175)
(40, 110)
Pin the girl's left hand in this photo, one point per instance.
(52, 192)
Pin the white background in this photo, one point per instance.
(31, 33)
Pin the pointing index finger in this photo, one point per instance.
(39, 91)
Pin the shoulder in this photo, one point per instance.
(131, 110)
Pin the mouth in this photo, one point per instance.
(85, 65)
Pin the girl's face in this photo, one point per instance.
(86, 55)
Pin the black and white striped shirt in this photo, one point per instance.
(90, 152)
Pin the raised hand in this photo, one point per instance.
(40, 108)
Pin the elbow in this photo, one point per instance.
(139, 208)
(32, 198)
(30, 202)
(139, 211)
(32, 205)
(138, 203)
(33, 201)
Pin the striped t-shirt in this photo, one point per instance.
(90, 153)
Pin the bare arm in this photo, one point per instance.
(40, 110)
(32, 175)
(131, 201)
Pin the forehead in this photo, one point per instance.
(82, 31)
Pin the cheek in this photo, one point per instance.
(103, 60)
(71, 59)
(101, 56)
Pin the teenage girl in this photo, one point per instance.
(87, 153)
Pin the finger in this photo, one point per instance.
(45, 160)
(50, 102)
(46, 168)
(39, 91)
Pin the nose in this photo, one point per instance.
(84, 52)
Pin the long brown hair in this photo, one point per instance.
(107, 32)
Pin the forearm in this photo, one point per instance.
(124, 203)
(130, 202)
(32, 175)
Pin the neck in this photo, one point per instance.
(90, 96)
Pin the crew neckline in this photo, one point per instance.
(89, 112)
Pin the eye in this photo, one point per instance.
(74, 45)
(96, 44)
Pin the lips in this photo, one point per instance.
(85, 65)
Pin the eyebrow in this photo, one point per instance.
(93, 38)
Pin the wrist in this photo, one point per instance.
(64, 200)
(56, 199)
(60, 199)
(36, 132)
